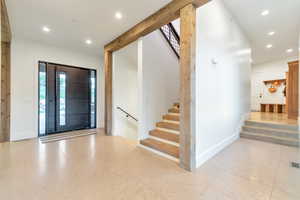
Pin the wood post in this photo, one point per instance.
(187, 87)
(5, 91)
(108, 91)
(5, 75)
(293, 90)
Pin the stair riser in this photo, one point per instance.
(270, 140)
(278, 133)
(273, 126)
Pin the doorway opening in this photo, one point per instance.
(67, 98)
(125, 91)
(275, 92)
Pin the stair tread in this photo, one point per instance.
(161, 146)
(168, 125)
(269, 136)
(165, 135)
(273, 129)
(173, 110)
(176, 104)
(171, 117)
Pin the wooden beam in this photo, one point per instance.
(5, 26)
(187, 87)
(163, 16)
(108, 91)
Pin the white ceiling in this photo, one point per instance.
(74, 21)
(284, 19)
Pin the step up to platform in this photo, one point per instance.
(284, 134)
(163, 147)
(272, 132)
(271, 139)
(291, 127)
(165, 135)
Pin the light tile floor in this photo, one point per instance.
(113, 168)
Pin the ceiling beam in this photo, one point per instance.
(163, 16)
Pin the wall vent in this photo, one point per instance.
(295, 165)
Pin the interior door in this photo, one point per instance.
(69, 98)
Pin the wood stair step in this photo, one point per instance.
(161, 146)
(171, 117)
(173, 110)
(165, 135)
(168, 125)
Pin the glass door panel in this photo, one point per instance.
(62, 98)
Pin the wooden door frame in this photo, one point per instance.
(186, 10)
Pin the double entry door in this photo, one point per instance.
(69, 99)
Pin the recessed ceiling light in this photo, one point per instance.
(265, 12)
(269, 46)
(271, 33)
(289, 50)
(118, 15)
(88, 41)
(46, 29)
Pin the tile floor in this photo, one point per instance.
(113, 168)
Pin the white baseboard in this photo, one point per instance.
(212, 151)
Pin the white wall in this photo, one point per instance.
(24, 84)
(222, 89)
(268, 71)
(176, 24)
(159, 80)
(125, 91)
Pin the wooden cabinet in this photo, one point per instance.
(274, 108)
(292, 90)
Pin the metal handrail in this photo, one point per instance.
(170, 33)
(127, 114)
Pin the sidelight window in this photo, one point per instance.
(62, 99)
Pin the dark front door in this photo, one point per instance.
(69, 99)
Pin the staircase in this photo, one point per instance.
(164, 139)
(283, 134)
